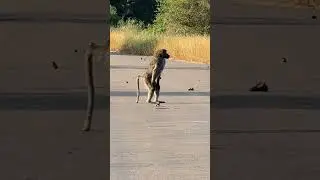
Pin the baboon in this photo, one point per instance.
(153, 75)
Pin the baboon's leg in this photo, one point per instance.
(150, 88)
(157, 89)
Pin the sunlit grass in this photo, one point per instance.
(190, 48)
(135, 41)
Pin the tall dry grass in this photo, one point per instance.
(191, 48)
(136, 41)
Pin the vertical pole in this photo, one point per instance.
(90, 84)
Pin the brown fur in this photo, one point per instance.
(153, 75)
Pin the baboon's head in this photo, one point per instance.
(162, 53)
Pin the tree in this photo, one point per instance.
(114, 18)
(141, 10)
(184, 16)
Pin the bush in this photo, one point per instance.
(142, 43)
(142, 10)
(114, 18)
(183, 17)
(131, 37)
(181, 26)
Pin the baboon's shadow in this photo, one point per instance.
(53, 18)
(172, 68)
(132, 93)
(50, 101)
(266, 101)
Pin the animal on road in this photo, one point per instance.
(153, 75)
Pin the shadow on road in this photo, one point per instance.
(53, 17)
(264, 21)
(263, 131)
(50, 101)
(143, 67)
(265, 102)
(132, 93)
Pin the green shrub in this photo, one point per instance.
(114, 18)
(139, 43)
(183, 17)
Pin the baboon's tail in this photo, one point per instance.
(138, 88)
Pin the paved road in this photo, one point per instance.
(270, 135)
(42, 110)
(166, 142)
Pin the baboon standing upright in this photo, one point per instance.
(153, 75)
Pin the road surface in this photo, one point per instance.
(166, 142)
(42, 110)
(270, 135)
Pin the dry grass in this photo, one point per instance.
(192, 48)
(140, 42)
(116, 40)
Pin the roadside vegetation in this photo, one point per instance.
(180, 26)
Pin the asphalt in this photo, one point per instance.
(166, 142)
(42, 109)
(254, 135)
(271, 135)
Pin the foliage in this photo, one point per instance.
(180, 26)
(183, 16)
(141, 10)
(114, 18)
(137, 41)
(164, 16)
